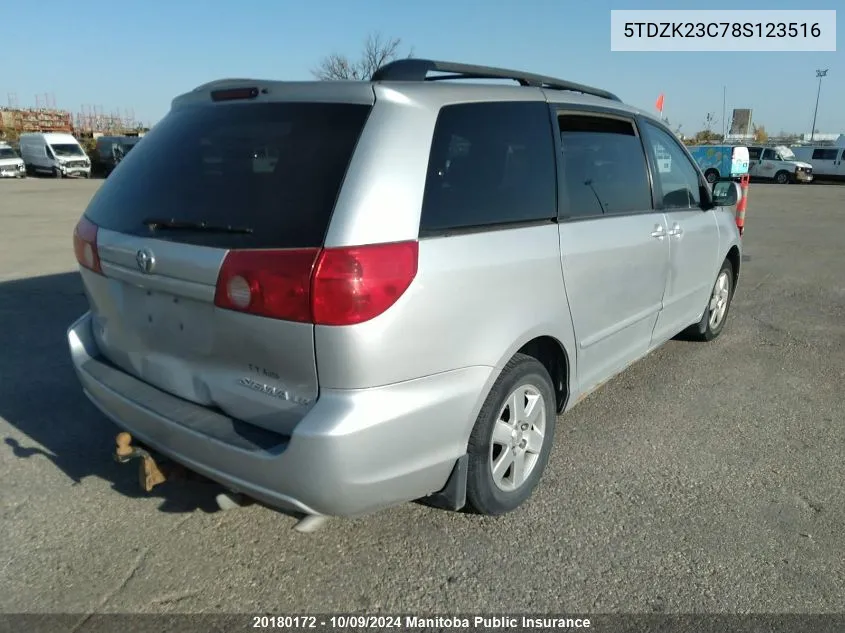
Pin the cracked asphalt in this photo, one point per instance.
(706, 478)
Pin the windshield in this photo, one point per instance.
(786, 154)
(126, 147)
(7, 152)
(67, 149)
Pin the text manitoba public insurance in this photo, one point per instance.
(497, 622)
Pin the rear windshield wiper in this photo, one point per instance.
(188, 225)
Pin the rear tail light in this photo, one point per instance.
(332, 286)
(353, 285)
(275, 284)
(85, 245)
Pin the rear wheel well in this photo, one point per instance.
(551, 354)
(733, 258)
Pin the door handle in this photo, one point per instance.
(676, 230)
(659, 232)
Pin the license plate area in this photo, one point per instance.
(168, 322)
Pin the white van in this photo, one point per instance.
(827, 161)
(11, 165)
(54, 153)
(778, 164)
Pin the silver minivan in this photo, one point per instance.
(402, 302)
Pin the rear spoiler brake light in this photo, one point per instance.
(233, 94)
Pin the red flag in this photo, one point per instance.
(659, 103)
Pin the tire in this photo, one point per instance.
(711, 175)
(782, 177)
(56, 172)
(712, 323)
(529, 437)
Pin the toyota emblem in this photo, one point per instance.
(146, 260)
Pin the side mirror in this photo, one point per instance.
(726, 193)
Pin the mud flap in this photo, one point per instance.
(453, 496)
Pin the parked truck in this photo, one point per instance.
(109, 151)
(778, 164)
(721, 161)
(11, 165)
(828, 161)
(54, 153)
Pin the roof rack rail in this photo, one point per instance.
(412, 69)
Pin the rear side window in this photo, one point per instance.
(490, 163)
(272, 168)
(824, 154)
(754, 153)
(604, 166)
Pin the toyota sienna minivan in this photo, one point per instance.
(402, 302)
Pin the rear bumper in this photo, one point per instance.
(355, 452)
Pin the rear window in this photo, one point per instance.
(274, 168)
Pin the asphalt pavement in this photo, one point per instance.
(706, 478)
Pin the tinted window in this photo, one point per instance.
(754, 153)
(769, 154)
(275, 168)
(490, 163)
(7, 152)
(824, 154)
(604, 166)
(680, 187)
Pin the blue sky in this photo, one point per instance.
(127, 54)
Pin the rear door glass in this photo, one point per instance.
(604, 166)
(273, 168)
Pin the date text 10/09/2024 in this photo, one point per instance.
(417, 622)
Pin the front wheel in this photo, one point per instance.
(510, 444)
(716, 314)
(782, 178)
(57, 173)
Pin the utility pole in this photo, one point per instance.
(820, 74)
(724, 111)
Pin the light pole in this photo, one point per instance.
(820, 74)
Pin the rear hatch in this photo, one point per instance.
(165, 225)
